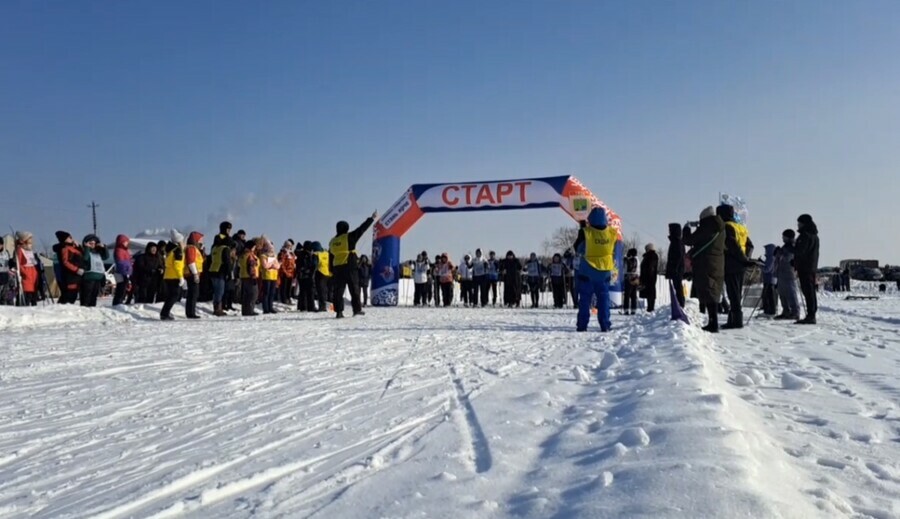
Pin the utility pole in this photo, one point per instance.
(93, 207)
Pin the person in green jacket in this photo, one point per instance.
(93, 271)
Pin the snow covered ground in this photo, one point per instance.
(455, 412)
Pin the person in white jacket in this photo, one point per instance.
(420, 278)
(465, 281)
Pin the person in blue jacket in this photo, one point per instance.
(597, 243)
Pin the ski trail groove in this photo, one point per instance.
(390, 381)
(481, 450)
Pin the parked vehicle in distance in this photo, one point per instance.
(866, 274)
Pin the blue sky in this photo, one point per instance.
(288, 116)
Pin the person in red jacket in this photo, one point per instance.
(28, 265)
(70, 260)
(124, 270)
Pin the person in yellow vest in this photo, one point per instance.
(193, 267)
(322, 280)
(173, 275)
(738, 249)
(268, 272)
(248, 270)
(221, 270)
(597, 244)
(345, 265)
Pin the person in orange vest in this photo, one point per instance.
(70, 260)
(286, 271)
(193, 267)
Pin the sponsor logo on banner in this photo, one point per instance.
(489, 194)
(397, 210)
(580, 205)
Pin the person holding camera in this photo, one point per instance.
(707, 256)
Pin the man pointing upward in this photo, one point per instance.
(343, 259)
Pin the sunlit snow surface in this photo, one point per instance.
(455, 412)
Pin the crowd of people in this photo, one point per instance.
(714, 253)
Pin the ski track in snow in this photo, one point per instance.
(455, 412)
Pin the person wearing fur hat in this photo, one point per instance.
(124, 269)
(28, 265)
(343, 262)
(675, 262)
(738, 249)
(71, 260)
(649, 275)
(173, 275)
(806, 263)
(286, 272)
(248, 265)
(193, 267)
(707, 256)
(632, 282)
(597, 242)
(94, 271)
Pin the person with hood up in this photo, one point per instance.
(148, 272)
(632, 282)
(558, 271)
(420, 279)
(806, 263)
(286, 272)
(534, 273)
(248, 266)
(787, 278)
(173, 275)
(770, 280)
(738, 249)
(193, 267)
(649, 275)
(5, 260)
(124, 269)
(675, 262)
(707, 257)
(511, 274)
(221, 270)
(93, 277)
(345, 263)
(479, 279)
(597, 239)
(465, 280)
(306, 275)
(365, 277)
(29, 268)
(71, 261)
(268, 273)
(493, 277)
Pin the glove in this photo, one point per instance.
(182, 283)
(80, 272)
(197, 278)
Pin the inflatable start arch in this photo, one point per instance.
(564, 192)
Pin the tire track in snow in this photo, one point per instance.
(480, 448)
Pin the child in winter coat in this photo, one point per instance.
(558, 271)
(28, 265)
(124, 269)
(93, 271)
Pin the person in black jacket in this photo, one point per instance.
(675, 262)
(365, 277)
(632, 282)
(649, 275)
(148, 270)
(806, 263)
(510, 273)
(344, 264)
(708, 262)
(737, 251)
(306, 275)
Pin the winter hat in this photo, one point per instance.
(225, 227)
(726, 212)
(90, 237)
(343, 227)
(195, 238)
(675, 231)
(805, 219)
(249, 244)
(649, 247)
(307, 245)
(62, 236)
(23, 236)
(789, 233)
(241, 232)
(177, 237)
(706, 213)
(598, 218)
(632, 253)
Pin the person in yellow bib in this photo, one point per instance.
(344, 265)
(597, 244)
(173, 276)
(738, 249)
